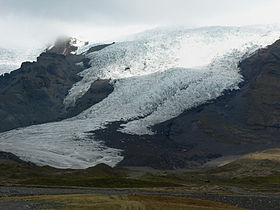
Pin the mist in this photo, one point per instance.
(33, 23)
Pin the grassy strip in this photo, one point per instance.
(113, 182)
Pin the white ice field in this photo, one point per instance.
(11, 59)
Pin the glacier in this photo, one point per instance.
(156, 76)
(11, 59)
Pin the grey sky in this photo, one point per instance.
(37, 20)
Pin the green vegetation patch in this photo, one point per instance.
(273, 181)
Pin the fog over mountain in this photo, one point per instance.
(29, 23)
(30, 26)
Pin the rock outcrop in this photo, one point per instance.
(34, 93)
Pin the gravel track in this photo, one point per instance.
(250, 202)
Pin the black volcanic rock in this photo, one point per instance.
(98, 47)
(34, 93)
(99, 90)
(262, 71)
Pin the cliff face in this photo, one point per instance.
(34, 93)
(262, 71)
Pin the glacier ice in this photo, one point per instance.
(159, 75)
(61, 145)
(11, 59)
(156, 76)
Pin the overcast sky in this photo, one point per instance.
(31, 22)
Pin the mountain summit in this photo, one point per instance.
(66, 46)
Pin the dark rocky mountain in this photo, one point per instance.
(35, 92)
(236, 123)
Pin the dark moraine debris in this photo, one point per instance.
(98, 47)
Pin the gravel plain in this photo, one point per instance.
(252, 202)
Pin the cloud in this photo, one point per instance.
(27, 22)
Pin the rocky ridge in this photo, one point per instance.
(34, 93)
